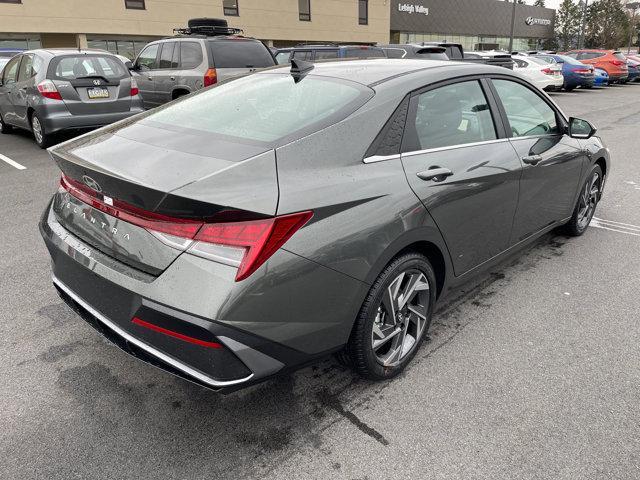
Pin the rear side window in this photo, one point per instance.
(71, 67)
(363, 52)
(264, 109)
(190, 55)
(303, 55)
(326, 54)
(26, 72)
(528, 114)
(453, 115)
(454, 52)
(395, 52)
(240, 54)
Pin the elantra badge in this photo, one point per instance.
(91, 183)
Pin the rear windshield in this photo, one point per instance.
(620, 56)
(570, 60)
(240, 54)
(71, 67)
(265, 108)
(427, 55)
(364, 52)
(539, 61)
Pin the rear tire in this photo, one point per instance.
(42, 138)
(5, 128)
(586, 204)
(394, 318)
(570, 89)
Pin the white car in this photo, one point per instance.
(546, 76)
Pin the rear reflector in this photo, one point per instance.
(242, 244)
(48, 90)
(171, 333)
(211, 77)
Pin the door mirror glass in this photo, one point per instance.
(129, 66)
(579, 128)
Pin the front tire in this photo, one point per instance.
(586, 204)
(42, 138)
(394, 318)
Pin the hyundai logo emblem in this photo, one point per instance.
(96, 82)
(91, 183)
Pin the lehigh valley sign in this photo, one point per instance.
(412, 8)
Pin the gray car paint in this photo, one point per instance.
(307, 295)
(17, 100)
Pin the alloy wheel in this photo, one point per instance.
(37, 129)
(401, 317)
(588, 200)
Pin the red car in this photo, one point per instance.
(611, 61)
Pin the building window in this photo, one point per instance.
(363, 12)
(230, 8)
(134, 4)
(305, 10)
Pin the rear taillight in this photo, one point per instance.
(134, 87)
(547, 71)
(247, 245)
(242, 244)
(618, 63)
(211, 77)
(48, 90)
(582, 70)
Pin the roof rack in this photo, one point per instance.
(209, 30)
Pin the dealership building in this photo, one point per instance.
(476, 24)
(125, 26)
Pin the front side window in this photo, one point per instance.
(363, 12)
(304, 8)
(264, 108)
(134, 4)
(10, 72)
(453, 115)
(528, 113)
(147, 59)
(230, 8)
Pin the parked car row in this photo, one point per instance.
(48, 91)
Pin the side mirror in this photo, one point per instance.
(579, 128)
(129, 65)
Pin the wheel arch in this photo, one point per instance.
(424, 241)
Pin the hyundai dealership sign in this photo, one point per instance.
(537, 21)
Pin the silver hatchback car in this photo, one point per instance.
(48, 91)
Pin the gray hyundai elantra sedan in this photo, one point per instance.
(261, 224)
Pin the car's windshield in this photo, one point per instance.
(71, 67)
(265, 108)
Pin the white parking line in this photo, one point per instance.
(616, 226)
(12, 162)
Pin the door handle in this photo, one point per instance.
(149, 78)
(437, 174)
(532, 159)
(172, 79)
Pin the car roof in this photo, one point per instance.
(69, 51)
(375, 71)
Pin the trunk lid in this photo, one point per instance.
(162, 176)
(91, 83)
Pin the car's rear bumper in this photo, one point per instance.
(261, 334)
(63, 120)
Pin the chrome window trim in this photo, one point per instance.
(381, 158)
(152, 351)
(454, 147)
